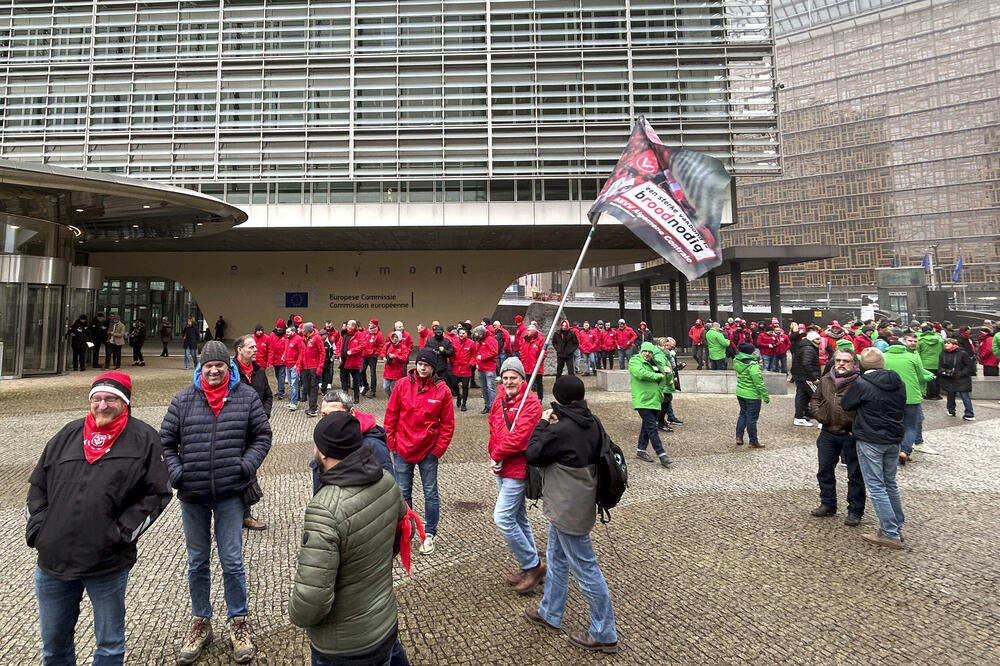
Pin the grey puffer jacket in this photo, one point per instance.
(211, 458)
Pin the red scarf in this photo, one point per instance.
(216, 395)
(247, 369)
(97, 440)
(404, 532)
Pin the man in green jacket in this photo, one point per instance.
(901, 357)
(343, 593)
(750, 392)
(717, 344)
(662, 360)
(929, 347)
(647, 378)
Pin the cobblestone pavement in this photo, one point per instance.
(715, 561)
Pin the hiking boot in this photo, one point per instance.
(642, 455)
(427, 547)
(582, 639)
(239, 634)
(903, 458)
(530, 579)
(463, 408)
(665, 460)
(756, 445)
(805, 423)
(531, 615)
(253, 524)
(199, 636)
(852, 520)
(880, 539)
(822, 511)
(515, 578)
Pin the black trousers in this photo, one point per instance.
(349, 376)
(137, 354)
(79, 356)
(310, 386)
(113, 356)
(164, 351)
(537, 386)
(803, 394)
(369, 365)
(933, 387)
(462, 384)
(97, 354)
(564, 363)
(830, 448)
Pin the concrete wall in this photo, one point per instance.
(695, 381)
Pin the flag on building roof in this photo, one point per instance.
(956, 275)
(671, 198)
(926, 263)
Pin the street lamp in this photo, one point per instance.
(829, 284)
(934, 265)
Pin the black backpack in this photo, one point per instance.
(612, 475)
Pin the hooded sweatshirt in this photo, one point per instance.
(910, 369)
(877, 397)
(749, 380)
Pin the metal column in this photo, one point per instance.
(621, 302)
(736, 279)
(774, 288)
(646, 301)
(713, 297)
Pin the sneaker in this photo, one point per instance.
(665, 460)
(486, 410)
(951, 413)
(852, 520)
(311, 413)
(822, 511)
(968, 418)
(279, 397)
(199, 636)
(805, 423)
(923, 448)
(292, 407)
(880, 539)
(664, 428)
(239, 634)
(675, 421)
(532, 615)
(642, 455)
(582, 639)
(427, 547)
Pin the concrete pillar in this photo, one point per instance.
(713, 297)
(673, 295)
(645, 301)
(774, 288)
(621, 302)
(736, 278)
(682, 339)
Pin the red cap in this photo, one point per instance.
(280, 323)
(373, 321)
(835, 323)
(802, 327)
(297, 319)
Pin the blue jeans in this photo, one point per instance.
(190, 358)
(770, 363)
(279, 376)
(749, 413)
(197, 521)
(648, 434)
(397, 657)
(878, 467)
(590, 362)
(913, 430)
(293, 384)
(59, 608)
(428, 479)
(501, 357)
(966, 402)
(576, 360)
(488, 382)
(718, 364)
(387, 386)
(511, 518)
(623, 358)
(568, 552)
(782, 363)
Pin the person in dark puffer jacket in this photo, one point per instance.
(215, 435)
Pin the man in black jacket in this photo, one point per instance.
(878, 397)
(443, 350)
(254, 375)
(565, 343)
(220, 426)
(805, 372)
(99, 336)
(100, 483)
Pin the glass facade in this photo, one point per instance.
(891, 139)
(328, 101)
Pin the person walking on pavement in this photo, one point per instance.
(646, 378)
(750, 393)
(566, 442)
(310, 366)
(419, 424)
(215, 436)
(697, 335)
(251, 373)
(294, 349)
(486, 361)
(97, 487)
(566, 345)
(369, 366)
(836, 441)
(165, 328)
(116, 338)
(805, 372)
(509, 435)
(99, 337)
(190, 335)
(343, 594)
(878, 397)
(955, 371)
(624, 336)
(901, 356)
(79, 337)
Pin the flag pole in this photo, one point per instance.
(555, 322)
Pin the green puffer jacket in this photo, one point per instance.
(910, 369)
(661, 361)
(929, 347)
(749, 380)
(717, 344)
(343, 593)
(646, 378)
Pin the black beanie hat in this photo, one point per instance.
(746, 348)
(567, 389)
(427, 356)
(337, 435)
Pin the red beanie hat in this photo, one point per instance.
(518, 319)
(373, 321)
(280, 323)
(297, 319)
(117, 383)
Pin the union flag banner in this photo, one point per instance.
(671, 198)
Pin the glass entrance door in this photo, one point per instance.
(42, 329)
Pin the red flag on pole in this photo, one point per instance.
(671, 198)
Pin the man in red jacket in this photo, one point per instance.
(419, 423)
(293, 350)
(624, 336)
(697, 335)
(486, 361)
(310, 366)
(276, 356)
(352, 347)
(369, 365)
(509, 435)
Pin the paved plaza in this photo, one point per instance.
(715, 561)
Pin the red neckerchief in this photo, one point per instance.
(404, 529)
(247, 369)
(216, 395)
(97, 440)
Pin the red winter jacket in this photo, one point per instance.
(530, 349)
(986, 356)
(293, 350)
(486, 354)
(767, 345)
(350, 358)
(607, 340)
(697, 334)
(508, 446)
(624, 337)
(263, 341)
(861, 343)
(395, 368)
(334, 337)
(464, 358)
(424, 334)
(373, 342)
(406, 341)
(519, 334)
(784, 343)
(420, 418)
(313, 354)
(589, 339)
(276, 349)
